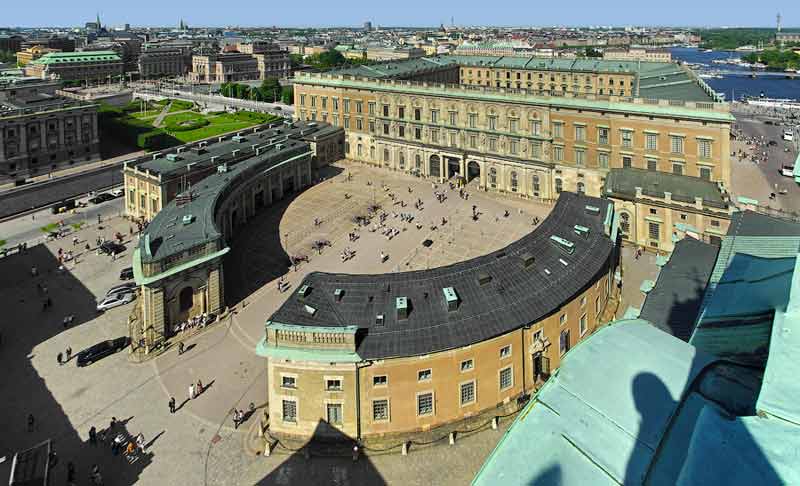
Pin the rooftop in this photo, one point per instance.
(466, 302)
(81, 56)
(622, 183)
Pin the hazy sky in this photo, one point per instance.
(401, 12)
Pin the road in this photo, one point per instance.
(45, 193)
(28, 228)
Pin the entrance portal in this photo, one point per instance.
(453, 167)
(434, 167)
(473, 170)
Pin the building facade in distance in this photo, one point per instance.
(224, 68)
(158, 62)
(527, 126)
(77, 66)
(41, 132)
(638, 54)
(385, 356)
(30, 53)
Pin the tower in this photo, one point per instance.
(778, 33)
(99, 25)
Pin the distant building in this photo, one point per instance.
(273, 62)
(393, 53)
(224, 68)
(63, 44)
(76, 66)
(367, 26)
(29, 54)
(161, 62)
(638, 54)
(41, 132)
(786, 37)
(10, 43)
(495, 49)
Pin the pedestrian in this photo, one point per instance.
(180, 348)
(60, 358)
(93, 435)
(130, 449)
(69, 351)
(140, 442)
(172, 405)
(112, 424)
(191, 391)
(199, 387)
(30, 422)
(74, 241)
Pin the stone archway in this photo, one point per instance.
(435, 166)
(453, 167)
(473, 170)
(186, 299)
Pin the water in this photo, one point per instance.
(739, 85)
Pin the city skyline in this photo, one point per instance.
(413, 14)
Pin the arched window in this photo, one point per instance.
(418, 162)
(386, 156)
(536, 185)
(402, 160)
(514, 182)
(625, 224)
(186, 299)
(493, 176)
(359, 150)
(559, 186)
(581, 188)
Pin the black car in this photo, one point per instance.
(101, 198)
(101, 350)
(110, 247)
(126, 273)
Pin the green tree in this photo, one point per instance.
(270, 89)
(287, 95)
(7, 56)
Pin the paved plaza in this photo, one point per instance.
(199, 444)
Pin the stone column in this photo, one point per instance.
(442, 168)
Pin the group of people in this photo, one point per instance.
(347, 254)
(61, 356)
(199, 321)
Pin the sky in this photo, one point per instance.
(322, 13)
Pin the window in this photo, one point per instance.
(467, 365)
(677, 168)
(493, 176)
(385, 110)
(473, 141)
(559, 186)
(401, 131)
(346, 106)
(417, 133)
(434, 116)
(360, 124)
(380, 380)
(653, 211)
(562, 320)
(289, 410)
(493, 144)
(705, 173)
(602, 160)
(371, 108)
(651, 141)
(704, 149)
(334, 413)
(401, 112)
(626, 137)
(715, 223)
(371, 126)
(347, 122)
(536, 184)
(580, 133)
(536, 127)
(513, 146)
(380, 409)
(582, 325)
(335, 104)
(625, 224)
(425, 403)
(514, 182)
(580, 157)
(676, 144)
(453, 118)
(536, 149)
(652, 164)
(558, 153)
(473, 120)
(513, 125)
(467, 393)
(452, 136)
(359, 106)
(424, 375)
(302, 100)
(627, 161)
(386, 129)
(492, 119)
(417, 114)
(506, 378)
(434, 135)
(602, 136)
(505, 351)
(563, 341)
(654, 230)
(333, 384)
(288, 382)
(558, 130)
(386, 155)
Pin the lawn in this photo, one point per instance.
(180, 105)
(218, 124)
(146, 114)
(49, 228)
(2, 243)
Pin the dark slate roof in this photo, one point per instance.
(516, 295)
(750, 223)
(674, 302)
(622, 183)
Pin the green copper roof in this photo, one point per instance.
(140, 279)
(81, 56)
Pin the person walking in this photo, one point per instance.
(69, 351)
(199, 387)
(172, 405)
(191, 391)
(180, 348)
(60, 358)
(236, 419)
(140, 442)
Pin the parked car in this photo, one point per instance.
(787, 171)
(118, 192)
(115, 300)
(110, 247)
(101, 350)
(126, 273)
(121, 288)
(101, 198)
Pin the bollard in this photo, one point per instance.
(355, 453)
(404, 451)
(452, 438)
(494, 423)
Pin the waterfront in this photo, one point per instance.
(734, 86)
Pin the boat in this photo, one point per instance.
(707, 50)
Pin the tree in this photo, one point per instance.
(287, 95)
(270, 88)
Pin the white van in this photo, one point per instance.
(788, 135)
